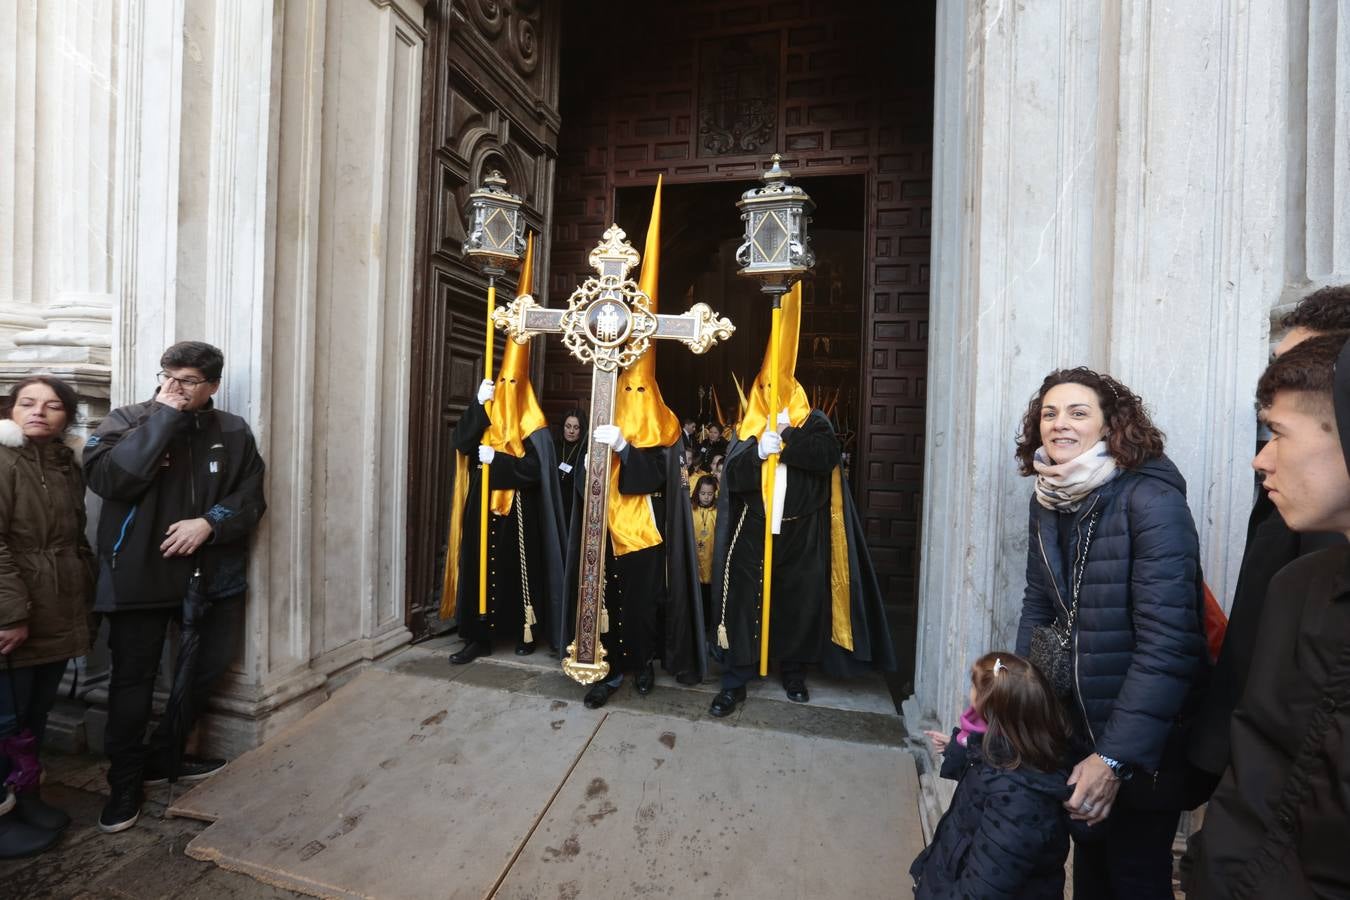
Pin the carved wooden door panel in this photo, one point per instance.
(489, 101)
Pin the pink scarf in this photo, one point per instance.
(971, 723)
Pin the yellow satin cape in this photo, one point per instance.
(642, 415)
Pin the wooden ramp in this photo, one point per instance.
(493, 780)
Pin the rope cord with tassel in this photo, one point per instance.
(524, 569)
(722, 640)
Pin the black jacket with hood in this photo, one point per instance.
(1005, 835)
(1139, 648)
(154, 465)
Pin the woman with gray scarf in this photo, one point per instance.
(1113, 614)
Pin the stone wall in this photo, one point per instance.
(1131, 188)
(243, 172)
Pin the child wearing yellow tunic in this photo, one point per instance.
(705, 534)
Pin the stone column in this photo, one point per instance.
(305, 207)
(1108, 183)
(58, 252)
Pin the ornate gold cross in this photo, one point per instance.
(608, 324)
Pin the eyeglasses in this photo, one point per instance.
(189, 383)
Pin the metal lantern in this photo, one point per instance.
(777, 249)
(496, 231)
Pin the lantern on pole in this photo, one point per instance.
(777, 253)
(495, 243)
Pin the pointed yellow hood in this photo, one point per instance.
(515, 413)
(790, 392)
(639, 410)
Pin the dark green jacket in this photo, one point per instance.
(46, 566)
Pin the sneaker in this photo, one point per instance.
(191, 769)
(122, 811)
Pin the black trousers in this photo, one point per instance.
(136, 643)
(1131, 860)
(739, 676)
(35, 688)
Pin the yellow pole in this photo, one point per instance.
(768, 482)
(483, 467)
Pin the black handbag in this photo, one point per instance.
(1051, 648)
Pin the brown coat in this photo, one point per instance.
(46, 566)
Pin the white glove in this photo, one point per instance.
(784, 420)
(610, 434)
(485, 454)
(770, 442)
(485, 392)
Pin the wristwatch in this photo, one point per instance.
(1118, 768)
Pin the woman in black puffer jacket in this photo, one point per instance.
(1113, 561)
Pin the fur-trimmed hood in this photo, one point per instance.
(11, 435)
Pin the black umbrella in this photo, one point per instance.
(180, 712)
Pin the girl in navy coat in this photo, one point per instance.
(1006, 833)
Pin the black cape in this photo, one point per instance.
(537, 511)
(801, 615)
(652, 595)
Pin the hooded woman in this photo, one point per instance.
(46, 591)
(525, 524)
(826, 602)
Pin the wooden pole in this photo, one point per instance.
(483, 467)
(769, 479)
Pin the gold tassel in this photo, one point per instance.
(604, 620)
(722, 640)
(529, 615)
(529, 635)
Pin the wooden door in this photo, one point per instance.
(489, 101)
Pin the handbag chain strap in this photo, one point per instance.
(1078, 573)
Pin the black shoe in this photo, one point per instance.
(525, 648)
(469, 652)
(646, 680)
(122, 810)
(795, 688)
(726, 701)
(688, 678)
(191, 769)
(19, 839)
(32, 811)
(598, 695)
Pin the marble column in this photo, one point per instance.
(61, 240)
(1108, 189)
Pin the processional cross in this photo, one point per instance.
(608, 324)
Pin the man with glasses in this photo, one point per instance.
(182, 489)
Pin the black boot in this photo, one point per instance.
(19, 839)
(32, 811)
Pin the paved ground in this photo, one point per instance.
(649, 796)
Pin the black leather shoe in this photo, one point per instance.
(469, 652)
(795, 688)
(726, 701)
(32, 811)
(525, 648)
(646, 680)
(122, 811)
(598, 695)
(688, 678)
